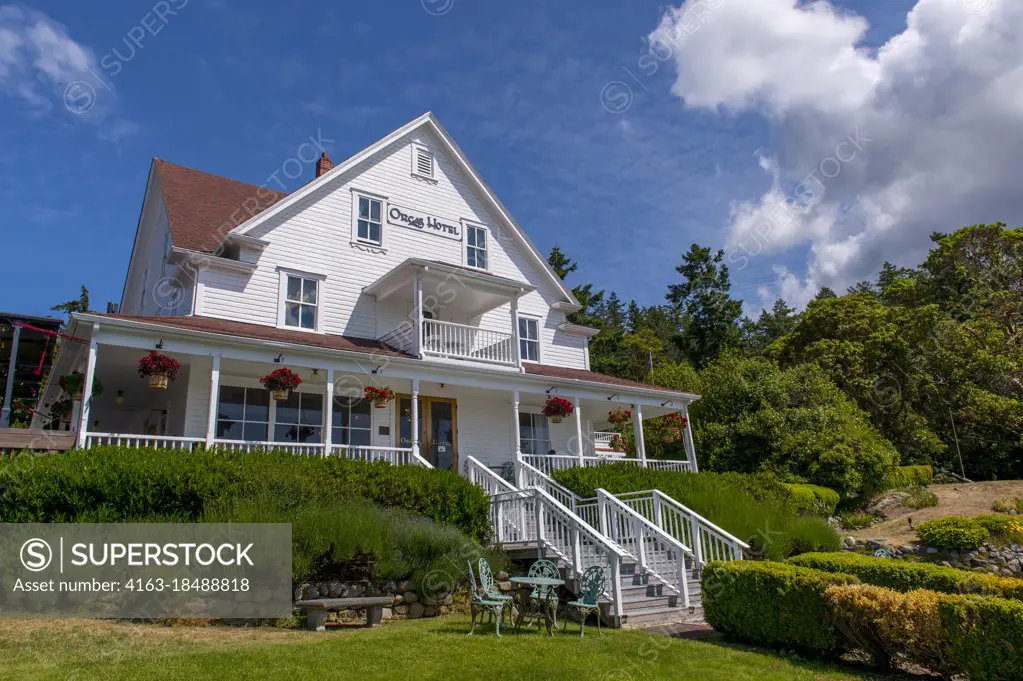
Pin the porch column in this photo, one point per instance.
(90, 375)
(211, 420)
(579, 430)
(414, 419)
(689, 443)
(12, 367)
(516, 443)
(417, 314)
(328, 413)
(515, 333)
(637, 423)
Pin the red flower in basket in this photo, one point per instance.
(619, 417)
(557, 408)
(378, 396)
(159, 369)
(281, 382)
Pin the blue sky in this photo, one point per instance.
(234, 88)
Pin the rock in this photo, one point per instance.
(299, 593)
(354, 591)
(397, 599)
(945, 563)
(886, 502)
(849, 542)
(335, 589)
(311, 592)
(906, 548)
(400, 610)
(415, 611)
(504, 586)
(876, 544)
(930, 550)
(373, 590)
(409, 597)
(403, 586)
(429, 611)
(501, 576)
(448, 599)
(386, 614)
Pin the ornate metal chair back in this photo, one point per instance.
(591, 586)
(544, 568)
(487, 579)
(473, 589)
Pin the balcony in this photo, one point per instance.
(460, 341)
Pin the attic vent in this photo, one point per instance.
(422, 162)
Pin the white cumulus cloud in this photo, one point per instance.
(874, 148)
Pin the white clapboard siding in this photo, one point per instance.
(315, 236)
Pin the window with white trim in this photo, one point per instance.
(299, 418)
(352, 424)
(476, 247)
(529, 339)
(422, 162)
(243, 414)
(301, 301)
(369, 227)
(534, 433)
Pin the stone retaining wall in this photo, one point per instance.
(1006, 561)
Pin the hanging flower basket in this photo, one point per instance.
(380, 397)
(673, 426)
(281, 382)
(159, 369)
(619, 418)
(557, 408)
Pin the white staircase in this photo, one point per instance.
(640, 539)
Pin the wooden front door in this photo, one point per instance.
(438, 429)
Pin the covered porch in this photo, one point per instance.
(439, 417)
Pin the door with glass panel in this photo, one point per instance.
(438, 429)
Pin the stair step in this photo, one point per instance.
(634, 604)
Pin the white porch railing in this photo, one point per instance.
(658, 553)
(154, 441)
(304, 448)
(403, 456)
(603, 440)
(708, 541)
(548, 463)
(532, 515)
(481, 475)
(460, 341)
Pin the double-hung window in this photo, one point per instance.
(243, 414)
(369, 226)
(299, 418)
(352, 422)
(476, 247)
(301, 299)
(534, 434)
(529, 339)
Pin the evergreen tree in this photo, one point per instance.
(79, 305)
(710, 317)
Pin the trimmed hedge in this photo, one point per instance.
(909, 476)
(953, 533)
(813, 498)
(772, 604)
(977, 636)
(756, 508)
(108, 484)
(900, 575)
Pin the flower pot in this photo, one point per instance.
(380, 404)
(281, 395)
(158, 381)
(557, 419)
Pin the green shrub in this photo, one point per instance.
(985, 636)
(953, 533)
(909, 476)
(904, 576)
(813, 499)
(1014, 505)
(1002, 528)
(855, 521)
(772, 604)
(127, 484)
(328, 535)
(920, 497)
(754, 507)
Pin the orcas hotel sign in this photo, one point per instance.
(414, 219)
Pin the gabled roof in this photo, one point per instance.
(427, 120)
(203, 208)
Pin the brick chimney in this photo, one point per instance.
(324, 164)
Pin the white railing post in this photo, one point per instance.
(579, 429)
(515, 439)
(90, 374)
(616, 587)
(602, 515)
(211, 420)
(414, 418)
(637, 421)
(417, 312)
(540, 534)
(690, 445)
(516, 353)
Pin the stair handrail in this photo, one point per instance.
(614, 553)
(483, 476)
(735, 545)
(642, 525)
(528, 475)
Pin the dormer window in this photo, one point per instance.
(476, 247)
(422, 162)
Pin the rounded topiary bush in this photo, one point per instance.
(953, 533)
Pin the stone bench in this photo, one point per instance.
(317, 609)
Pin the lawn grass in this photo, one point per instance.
(83, 650)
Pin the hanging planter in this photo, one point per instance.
(673, 428)
(380, 397)
(73, 385)
(281, 382)
(159, 369)
(557, 408)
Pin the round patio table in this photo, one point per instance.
(548, 611)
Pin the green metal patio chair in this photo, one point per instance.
(541, 597)
(487, 582)
(481, 603)
(591, 586)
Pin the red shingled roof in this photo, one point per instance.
(584, 375)
(202, 208)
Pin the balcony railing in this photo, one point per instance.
(548, 463)
(460, 341)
